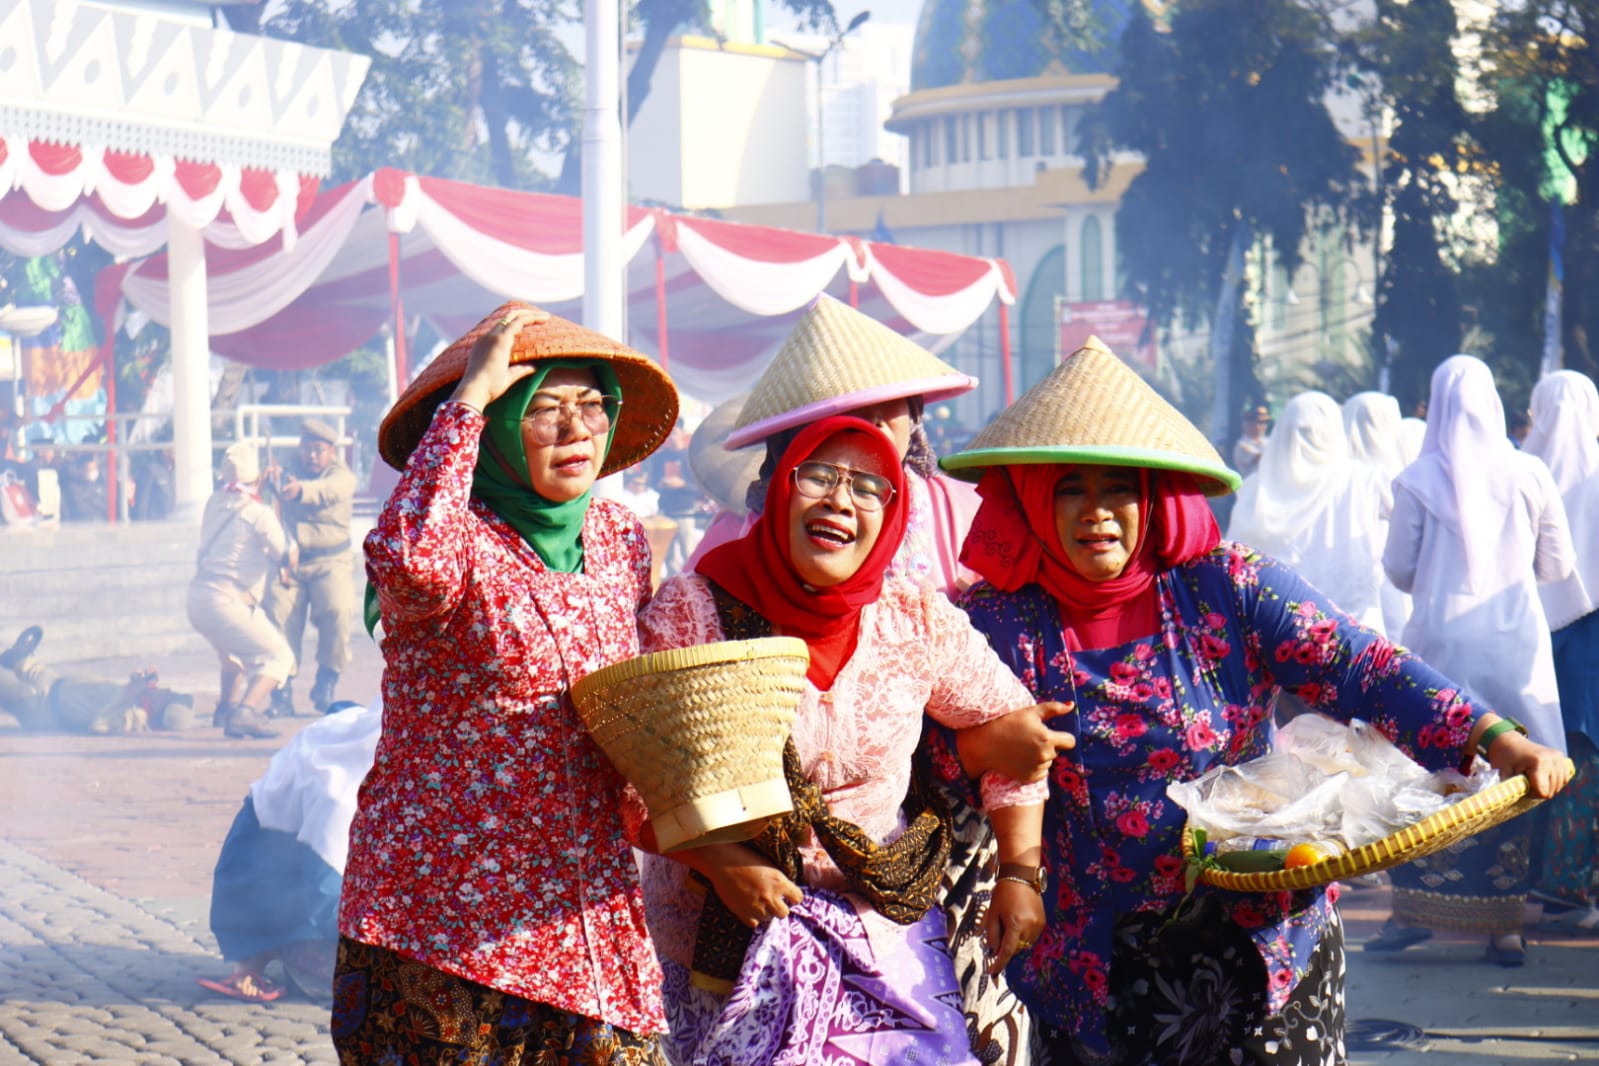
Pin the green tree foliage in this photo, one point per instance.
(465, 89)
(1544, 136)
(1408, 49)
(1227, 110)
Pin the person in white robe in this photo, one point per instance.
(1377, 438)
(1412, 431)
(1565, 425)
(1312, 507)
(1477, 526)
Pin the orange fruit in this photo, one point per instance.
(1304, 855)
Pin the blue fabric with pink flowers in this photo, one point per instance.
(1236, 627)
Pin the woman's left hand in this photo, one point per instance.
(1547, 770)
(1014, 922)
(1018, 745)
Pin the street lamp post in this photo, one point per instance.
(821, 153)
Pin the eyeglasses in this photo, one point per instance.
(816, 480)
(547, 419)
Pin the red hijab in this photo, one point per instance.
(1013, 543)
(758, 568)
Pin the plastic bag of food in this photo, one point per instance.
(1324, 781)
(1277, 796)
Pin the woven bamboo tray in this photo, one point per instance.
(699, 732)
(1495, 804)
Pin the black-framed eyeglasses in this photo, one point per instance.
(596, 415)
(816, 480)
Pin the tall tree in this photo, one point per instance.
(1408, 50)
(1543, 133)
(1227, 110)
(466, 89)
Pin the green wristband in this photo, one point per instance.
(1497, 730)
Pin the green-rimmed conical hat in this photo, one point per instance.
(1094, 409)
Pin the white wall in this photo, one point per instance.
(721, 128)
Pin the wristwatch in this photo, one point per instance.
(1034, 877)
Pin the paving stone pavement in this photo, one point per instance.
(88, 976)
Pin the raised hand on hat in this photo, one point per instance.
(488, 368)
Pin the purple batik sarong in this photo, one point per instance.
(816, 990)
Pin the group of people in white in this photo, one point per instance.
(1340, 494)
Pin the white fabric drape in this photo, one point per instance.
(942, 313)
(108, 198)
(1376, 437)
(1412, 431)
(759, 287)
(252, 289)
(1565, 427)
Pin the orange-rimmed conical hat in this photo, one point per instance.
(649, 399)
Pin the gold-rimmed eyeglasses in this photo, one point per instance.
(547, 419)
(816, 480)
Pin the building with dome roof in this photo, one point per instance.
(991, 125)
(990, 121)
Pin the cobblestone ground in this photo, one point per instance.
(106, 851)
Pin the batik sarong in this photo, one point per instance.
(818, 987)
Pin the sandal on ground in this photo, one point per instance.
(243, 986)
(1395, 937)
(1508, 956)
(1572, 921)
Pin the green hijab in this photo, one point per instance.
(553, 530)
(501, 481)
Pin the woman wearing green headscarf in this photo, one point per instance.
(491, 906)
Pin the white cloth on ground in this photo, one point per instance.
(310, 786)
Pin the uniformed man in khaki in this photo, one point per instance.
(315, 494)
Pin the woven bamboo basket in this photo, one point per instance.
(700, 732)
(1486, 809)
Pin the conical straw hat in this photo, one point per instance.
(723, 474)
(835, 361)
(1094, 409)
(649, 399)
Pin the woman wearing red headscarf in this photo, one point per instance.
(841, 951)
(1107, 585)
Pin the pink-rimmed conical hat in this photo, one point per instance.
(835, 361)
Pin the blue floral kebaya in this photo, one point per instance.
(1234, 629)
